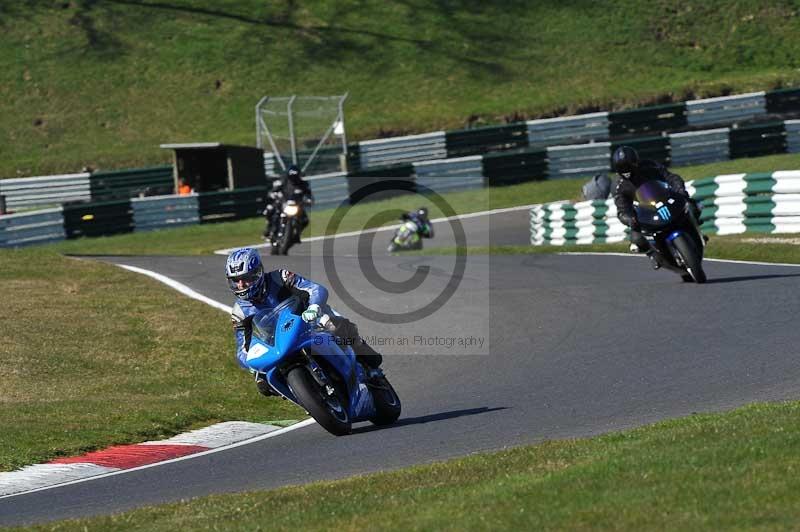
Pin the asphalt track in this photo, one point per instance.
(577, 345)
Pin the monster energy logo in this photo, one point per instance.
(664, 213)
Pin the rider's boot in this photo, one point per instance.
(655, 262)
(370, 359)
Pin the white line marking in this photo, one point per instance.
(39, 476)
(730, 261)
(182, 288)
(278, 432)
(389, 227)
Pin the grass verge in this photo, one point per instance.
(93, 355)
(707, 471)
(104, 83)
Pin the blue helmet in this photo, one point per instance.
(245, 273)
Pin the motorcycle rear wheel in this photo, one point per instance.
(329, 411)
(387, 403)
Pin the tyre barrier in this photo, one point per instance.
(733, 204)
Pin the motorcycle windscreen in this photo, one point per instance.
(264, 327)
(649, 204)
(265, 322)
(652, 192)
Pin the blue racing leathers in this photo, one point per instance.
(279, 285)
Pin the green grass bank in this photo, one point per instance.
(104, 83)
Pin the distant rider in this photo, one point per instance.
(272, 212)
(298, 189)
(290, 187)
(420, 219)
(633, 173)
(256, 291)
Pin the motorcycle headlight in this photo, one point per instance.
(291, 210)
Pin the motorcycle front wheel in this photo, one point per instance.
(691, 258)
(329, 410)
(387, 403)
(285, 241)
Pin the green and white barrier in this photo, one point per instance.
(733, 204)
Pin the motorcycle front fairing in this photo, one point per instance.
(664, 215)
(281, 339)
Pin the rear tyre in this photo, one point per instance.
(328, 410)
(691, 258)
(387, 403)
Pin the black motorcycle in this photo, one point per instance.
(667, 221)
(291, 222)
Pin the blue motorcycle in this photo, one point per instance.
(308, 365)
(667, 221)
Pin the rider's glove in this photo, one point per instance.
(311, 313)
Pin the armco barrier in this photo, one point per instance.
(792, 136)
(501, 169)
(757, 140)
(568, 129)
(783, 101)
(394, 150)
(271, 166)
(230, 205)
(726, 109)
(450, 174)
(733, 204)
(699, 147)
(100, 218)
(654, 148)
(380, 183)
(647, 120)
(482, 140)
(164, 211)
(602, 126)
(329, 190)
(24, 229)
(121, 184)
(578, 160)
(46, 190)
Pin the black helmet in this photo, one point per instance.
(423, 211)
(293, 172)
(624, 161)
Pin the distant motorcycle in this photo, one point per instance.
(308, 365)
(666, 220)
(289, 226)
(406, 237)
